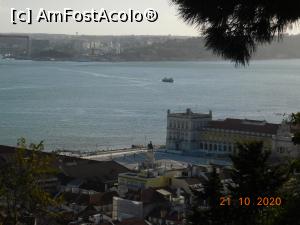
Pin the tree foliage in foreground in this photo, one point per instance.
(215, 214)
(252, 177)
(234, 28)
(295, 121)
(21, 193)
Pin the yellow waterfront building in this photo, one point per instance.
(197, 133)
(221, 136)
(143, 180)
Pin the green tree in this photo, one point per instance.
(20, 184)
(253, 177)
(213, 190)
(288, 214)
(234, 28)
(214, 214)
(295, 121)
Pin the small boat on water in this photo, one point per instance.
(168, 80)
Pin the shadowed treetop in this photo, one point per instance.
(234, 28)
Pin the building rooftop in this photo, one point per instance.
(102, 170)
(194, 180)
(244, 125)
(104, 198)
(78, 198)
(190, 114)
(76, 168)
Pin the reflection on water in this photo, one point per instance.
(88, 106)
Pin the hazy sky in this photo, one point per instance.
(168, 22)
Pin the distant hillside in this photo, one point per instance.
(175, 49)
(287, 48)
(134, 48)
(194, 49)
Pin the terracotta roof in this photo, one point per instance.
(7, 149)
(244, 125)
(150, 196)
(78, 198)
(102, 170)
(78, 168)
(98, 199)
(191, 115)
(104, 198)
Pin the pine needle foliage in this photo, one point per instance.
(234, 28)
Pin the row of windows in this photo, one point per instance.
(239, 132)
(177, 135)
(216, 147)
(184, 124)
(178, 124)
(282, 150)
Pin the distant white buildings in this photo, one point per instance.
(197, 133)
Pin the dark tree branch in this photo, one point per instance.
(234, 28)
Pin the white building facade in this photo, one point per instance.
(197, 133)
(183, 129)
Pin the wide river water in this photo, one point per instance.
(88, 106)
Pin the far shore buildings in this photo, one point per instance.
(198, 134)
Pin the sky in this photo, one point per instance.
(169, 23)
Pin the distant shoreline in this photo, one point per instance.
(142, 61)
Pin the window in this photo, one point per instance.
(210, 147)
(215, 147)
(235, 149)
(201, 145)
(205, 146)
(225, 147)
(220, 148)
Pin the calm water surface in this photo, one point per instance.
(86, 106)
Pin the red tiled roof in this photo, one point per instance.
(78, 198)
(244, 125)
(150, 196)
(104, 198)
(103, 170)
(82, 168)
(7, 149)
